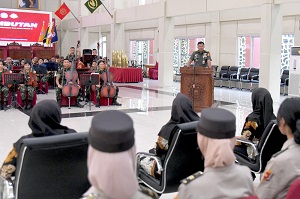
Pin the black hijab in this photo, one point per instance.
(182, 112)
(262, 105)
(44, 120)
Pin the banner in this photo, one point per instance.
(92, 5)
(22, 25)
(62, 11)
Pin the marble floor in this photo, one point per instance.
(147, 104)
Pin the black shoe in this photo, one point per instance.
(78, 105)
(98, 104)
(116, 103)
(58, 102)
(4, 107)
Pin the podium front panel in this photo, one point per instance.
(197, 84)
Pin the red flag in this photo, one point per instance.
(62, 11)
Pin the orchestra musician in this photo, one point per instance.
(95, 54)
(102, 69)
(71, 56)
(30, 82)
(3, 88)
(43, 78)
(9, 63)
(61, 81)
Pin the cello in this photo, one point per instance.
(107, 90)
(70, 89)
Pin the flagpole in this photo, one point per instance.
(75, 16)
(107, 10)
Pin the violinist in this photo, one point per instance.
(3, 88)
(102, 69)
(61, 81)
(29, 84)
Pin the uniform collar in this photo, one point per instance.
(219, 169)
(288, 143)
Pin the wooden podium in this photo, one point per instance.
(197, 84)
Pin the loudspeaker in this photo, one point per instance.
(87, 51)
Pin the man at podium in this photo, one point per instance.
(200, 57)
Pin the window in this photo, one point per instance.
(183, 49)
(142, 52)
(142, 2)
(287, 43)
(249, 51)
(103, 47)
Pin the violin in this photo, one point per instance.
(107, 90)
(70, 89)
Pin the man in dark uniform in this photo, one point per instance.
(61, 80)
(200, 57)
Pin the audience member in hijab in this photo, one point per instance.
(284, 167)
(222, 178)
(182, 112)
(256, 121)
(111, 159)
(45, 118)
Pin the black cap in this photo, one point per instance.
(217, 123)
(111, 132)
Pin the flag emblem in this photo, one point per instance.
(92, 5)
(63, 11)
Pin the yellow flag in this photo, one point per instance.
(49, 35)
(42, 33)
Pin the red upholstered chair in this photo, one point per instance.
(65, 101)
(103, 100)
(294, 190)
(153, 72)
(250, 197)
(19, 98)
(44, 89)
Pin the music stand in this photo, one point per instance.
(13, 78)
(52, 66)
(41, 71)
(88, 80)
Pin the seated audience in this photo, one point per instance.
(284, 167)
(45, 119)
(111, 158)
(222, 178)
(182, 112)
(256, 121)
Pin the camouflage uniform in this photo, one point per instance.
(200, 58)
(26, 88)
(62, 81)
(3, 89)
(98, 90)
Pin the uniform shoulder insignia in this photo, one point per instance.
(148, 192)
(279, 152)
(192, 177)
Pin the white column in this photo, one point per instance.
(156, 45)
(165, 55)
(270, 49)
(84, 38)
(212, 40)
(99, 40)
(297, 31)
(117, 38)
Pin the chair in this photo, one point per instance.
(65, 101)
(222, 74)
(183, 159)
(252, 77)
(250, 197)
(270, 143)
(294, 190)
(104, 101)
(242, 75)
(284, 81)
(153, 72)
(232, 74)
(52, 167)
(20, 102)
(215, 67)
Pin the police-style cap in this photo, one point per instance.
(111, 132)
(217, 123)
